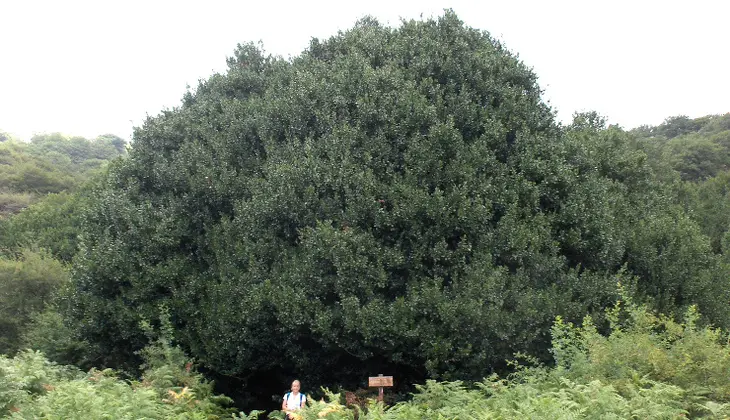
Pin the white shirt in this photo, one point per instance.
(294, 402)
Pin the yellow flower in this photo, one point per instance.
(185, 392)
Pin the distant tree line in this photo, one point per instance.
(49, 163)
(697, 149)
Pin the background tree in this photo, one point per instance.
(696, 148)
(48, 172)
(27, 285)
(52, 163)
(698, 153)
(52, 224)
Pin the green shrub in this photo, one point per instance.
(28, 374)
(13, 202)
(538, 395)
(53, 224)
(394, 198)
(32, 387)
(27, 285)
(98, 396)
(169, 372)
(47, 333)
(648, 367)
(644, 346)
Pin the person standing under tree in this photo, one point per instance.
(293, 400)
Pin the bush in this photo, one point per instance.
(98, 396)
(48, 333)
(644, 346)
(29, 374)
(53, 224)
(27, 285)
(170, 373)
(539, 395)
(648, 367)
(13, 202)
(33, 387)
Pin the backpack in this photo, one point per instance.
(301, 398)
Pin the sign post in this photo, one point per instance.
(380, 382)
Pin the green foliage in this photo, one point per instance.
(48, 333)
(696, 157)
(696, 148)
(676, 267)
(78, 149)
(50, 163)
(676, 126)
(539, 395)
(27, 285)
(565, 399)
(648, 367)
(53, 224)
(26, 376)
(11, 202)
(169, 371)
(708, 204)
(22, 171)
(99, 396)
(46, 214)
(642, 346)
(33, 387)
(390, 200)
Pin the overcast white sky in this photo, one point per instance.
(93, 67)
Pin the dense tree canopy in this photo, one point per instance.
(391, 200)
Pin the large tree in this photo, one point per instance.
(391, 200)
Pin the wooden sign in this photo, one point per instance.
(380, 381)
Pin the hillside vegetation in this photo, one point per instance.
(49, 163)
(48, 170)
